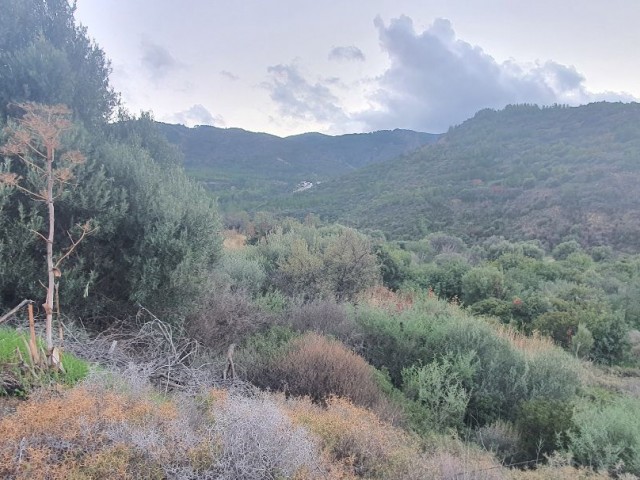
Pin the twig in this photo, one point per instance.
(74, 244)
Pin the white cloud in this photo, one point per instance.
(196, 115)
(350, 53)
(229, 75)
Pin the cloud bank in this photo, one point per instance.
(436, 80)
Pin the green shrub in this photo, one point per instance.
(582, 342)
(481, 283)
(607, 437)
(439, 397)
(542, 425)
(563, 250)
(558, 325)
(444, 276)
(244, 270)
(504, 374)
(493, 307)
(258, 352)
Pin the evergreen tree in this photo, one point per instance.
(46, 58)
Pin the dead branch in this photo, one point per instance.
(230, 368)
(15, 309)
(155, 350)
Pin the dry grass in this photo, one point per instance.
(233, 240)
(361, 445)
(534, 344)
(386, 299)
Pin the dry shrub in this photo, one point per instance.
(560, 473)
(327, 318)
(501, 438)
(319, 367)
(67, 434)
(225, 317)
(361, 444)
(356, 439)
(559, 467)
(116, 429)
(233, 240)
(383, 297)
(257, 440)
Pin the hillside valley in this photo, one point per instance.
(524, 172)
(245, 169)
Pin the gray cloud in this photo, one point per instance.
(436, 80)
(196, 115)
(157, 60)
(349, 53)
(300, 99)
(229, 75)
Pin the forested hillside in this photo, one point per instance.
(524, 172)
(246, 169)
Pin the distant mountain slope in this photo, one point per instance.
(260, 165)
(523, 172)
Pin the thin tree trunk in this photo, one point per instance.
(48, 306)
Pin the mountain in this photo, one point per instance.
(244, 168)
(524, 172)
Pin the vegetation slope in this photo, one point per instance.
(524, 173)
(245, 169)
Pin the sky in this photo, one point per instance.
(345, 66)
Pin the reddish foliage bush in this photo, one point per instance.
(319, 367)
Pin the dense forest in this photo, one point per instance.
(474, 314)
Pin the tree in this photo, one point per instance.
(36, 139)
(45, 57)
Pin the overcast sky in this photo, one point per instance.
(342, 66)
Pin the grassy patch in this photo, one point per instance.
(18, 378)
